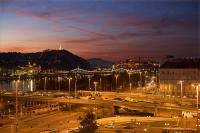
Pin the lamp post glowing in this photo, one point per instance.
(75, 86)
(140, 78)
(129, 76)
(116, 77)
(16, 105)
(181, 83)
(69, 79)
(45, 84)
(58, 83)
(130, 85)
(197, 90)
(89, 82)
(95, 87)
(100, 84)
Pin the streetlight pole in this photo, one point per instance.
(100, 84)
(181, 83)
(130, 89)
(116, 77)
(59, 83)
(45, 84)
(69, 79)
(75, 86)
(129, 76)
(197, 90)
(95, 86)
(89, 80)
(197, 107)
(140, 78)
(16, 106)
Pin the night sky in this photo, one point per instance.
(108, 29)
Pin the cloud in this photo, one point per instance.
(156, 23)
(109, 17)
(62, 17)
(120, 36)
(106, 25)
(20, 49)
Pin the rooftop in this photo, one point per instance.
(182, 63)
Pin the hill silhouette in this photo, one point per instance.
(48, 59)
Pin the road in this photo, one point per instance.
(143, 103)
(142, 124)
(58, 120)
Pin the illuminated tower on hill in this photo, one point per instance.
(60, 48)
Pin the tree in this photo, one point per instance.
(88, 123)
(116, 110)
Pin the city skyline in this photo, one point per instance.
(112, 30)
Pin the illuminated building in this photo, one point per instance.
(175, 70)
(30, 69)
(128, 64)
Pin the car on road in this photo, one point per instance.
(8, 93)
(128, 127)
(129, 99)
(92, 98)
(84, 97)
(118, 99)
(109, 125)
(49, 131)
(62, 97)
(74, 130)
(69, 97)
(170, 104)
(105, 98)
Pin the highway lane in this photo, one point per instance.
(145, 103)
(148, 123)
(59, 120)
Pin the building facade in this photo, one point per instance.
(176, 70)
(29, 69)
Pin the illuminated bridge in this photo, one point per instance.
(81, 72)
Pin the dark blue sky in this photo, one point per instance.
(109, 29)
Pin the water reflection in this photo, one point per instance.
(60, 83)
(26, 85)
(46, 83)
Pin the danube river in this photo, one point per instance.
(63, 83)
(53, 83)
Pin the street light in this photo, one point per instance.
(140, 78)
(116, 77)
(130, 89)
(45, 84)
(59, 83)
(181, 83)
(129, 76)
(75, 86)
(100, 84)
(69, 79)
(89, 81)
(16, 91)
(197, 89)
(95, 86)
